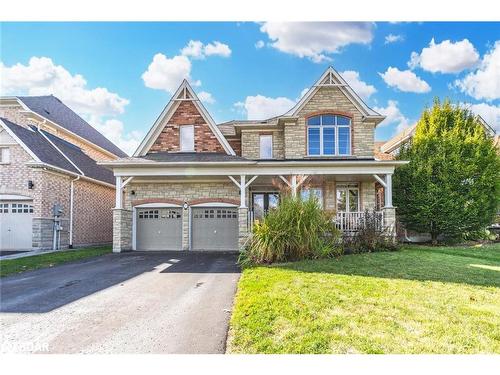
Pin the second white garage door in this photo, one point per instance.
(214, 228)
(159, 228)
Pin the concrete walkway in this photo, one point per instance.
(162, 302)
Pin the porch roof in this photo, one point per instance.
(144, 167)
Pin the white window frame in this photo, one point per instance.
(4, 155)
(182, 147)
(346, 187)
(316, 188)
(336, 127)
(261, 137)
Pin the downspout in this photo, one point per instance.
(71, 200)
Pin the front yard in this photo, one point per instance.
(417, 300)
(11, 266)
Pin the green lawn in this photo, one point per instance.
(11, 266)
(417, 300)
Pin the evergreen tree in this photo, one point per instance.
(452, 184)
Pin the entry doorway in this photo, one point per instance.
(262, 202)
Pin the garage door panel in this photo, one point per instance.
(215, 228)
(159, 229)
(16, 230)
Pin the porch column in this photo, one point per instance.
(388, 190)
(294, 185)
(243, 203)
(118, 192)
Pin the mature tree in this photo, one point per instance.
(452, 184)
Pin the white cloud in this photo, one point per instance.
(484, 83)
(42, 77)
(445, 57)
(260, 44)
(217, 49)
(490, 114)
(198, 50)
(206, 97)
(261, 107)
(391, 38)
(393, 116)
(114, 130)
(167, 74)
(363, 89)
(315, 40)
(405, 80)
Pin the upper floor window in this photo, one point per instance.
(328, 135)
(187, 138)
(4, 155)
(266, 146)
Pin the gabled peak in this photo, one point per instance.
(185, 92)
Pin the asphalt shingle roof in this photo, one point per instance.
(49, 154)
(55, 110)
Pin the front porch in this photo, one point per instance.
(346, 188)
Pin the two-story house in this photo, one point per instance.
(53, 195)
(196, 185)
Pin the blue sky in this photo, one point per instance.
(108, 72)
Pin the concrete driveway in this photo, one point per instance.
(161, 302)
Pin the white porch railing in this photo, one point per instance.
(349, 222)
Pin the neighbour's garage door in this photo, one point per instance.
(16, 230)
(159, 229)
(215, 228)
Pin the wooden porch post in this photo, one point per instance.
(388, 190)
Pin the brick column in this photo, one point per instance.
(390, 220)
(122, 230)
(243, 226)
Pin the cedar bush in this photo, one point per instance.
(452, 184)
(297, 229)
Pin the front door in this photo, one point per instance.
(262, 203)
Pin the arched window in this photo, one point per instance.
(328, 135)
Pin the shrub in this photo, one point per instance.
(295, 230)
(370, 237)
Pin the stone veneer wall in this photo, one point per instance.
(122, 230)
(329, 99)
(181, 192)
(250, 143)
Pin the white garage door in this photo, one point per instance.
(16, 230)
(159, 229)
(215, 228)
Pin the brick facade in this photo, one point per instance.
(186, 114)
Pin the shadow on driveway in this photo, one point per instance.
(47, 289)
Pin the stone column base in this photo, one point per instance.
(122, 230)
(390, 221)
(243, 232)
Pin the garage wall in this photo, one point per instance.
(93, 218)
(182, 192)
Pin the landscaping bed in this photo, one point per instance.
(417, 300)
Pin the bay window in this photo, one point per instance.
(328, 135)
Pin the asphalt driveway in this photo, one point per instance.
(161, 302)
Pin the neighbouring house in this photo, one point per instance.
(196, 185)
(53, 194)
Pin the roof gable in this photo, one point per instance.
(56, 111)
(331, 78)
(184, 93)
